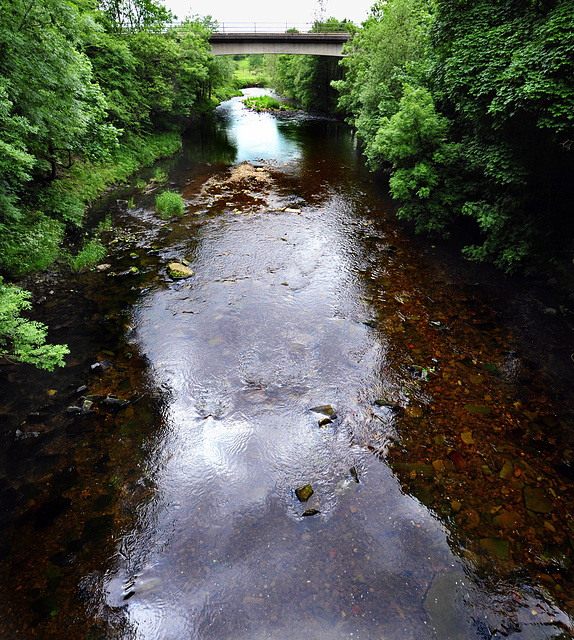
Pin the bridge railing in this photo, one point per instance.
(276, 27)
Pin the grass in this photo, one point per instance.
(249, 77)
(88, 180)
(91, 254)
(266, 103)
(169, 204)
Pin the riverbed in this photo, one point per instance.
(330, 430)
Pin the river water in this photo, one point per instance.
(149, 489)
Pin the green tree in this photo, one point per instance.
(23, 340)
(133, 16)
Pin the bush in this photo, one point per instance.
(24, 340)
(262, 103)
(169, 204)
(29, 244)
(91, 254)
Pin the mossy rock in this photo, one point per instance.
(496, 546)
(178, 270)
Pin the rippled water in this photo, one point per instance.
(309, 338)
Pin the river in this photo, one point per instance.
(154, 488)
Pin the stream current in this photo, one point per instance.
(150, 487)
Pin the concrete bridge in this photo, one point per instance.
(233, 38)
(315, 44)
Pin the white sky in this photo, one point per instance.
(290, 11)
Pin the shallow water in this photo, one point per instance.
(314, 344)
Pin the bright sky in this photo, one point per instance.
(290, 11)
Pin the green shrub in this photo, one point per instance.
(91, 254)
(29, 244)
(261, 103)
(24, 340)
(160, 175)
(169, 204)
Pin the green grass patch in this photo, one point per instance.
(92, 253)
(169, 204)
(265, 103)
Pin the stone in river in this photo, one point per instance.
(536, 500)
(311, 512)
(326, 410)
(304, 493)
(496, 546)
(325, 421)
(447, 589)
(477, 408)
(508, 520)
(178, 270)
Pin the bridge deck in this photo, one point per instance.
(319, 44)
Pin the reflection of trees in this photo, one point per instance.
(209, 141)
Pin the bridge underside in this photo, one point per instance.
(319, 44)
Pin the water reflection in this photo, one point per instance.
(274, 324)
(255, 135)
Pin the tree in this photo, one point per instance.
(49, 82)
(133, 16)
(24, 340)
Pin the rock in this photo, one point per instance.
(466, 437)
(456, 505)
(304, 493)
(325, 421)
(414, 411)
(310, 512)
(325, 409)
(74, 410)
(507, 471)
(178, 270)
(103, 267)
(496, 546)
(447, 590)
(536, 499)
(476, 408)
(115, 401)
(458, 460)
(87, 406)
(354, 475)
(508, 520)
(439, 466)
(383, 402)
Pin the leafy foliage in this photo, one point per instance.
(169, 204)
(471, 107)
(24, 340)
(91, 253)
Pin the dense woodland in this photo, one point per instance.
(89, 92)
(468, 106)
(465, 106)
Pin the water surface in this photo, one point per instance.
(314, 344)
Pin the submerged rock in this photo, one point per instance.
(304, 493)
(178, 270)
(326, 410)
(535, 499)
(496, 546)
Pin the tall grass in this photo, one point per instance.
(169, 204)
(91, 254)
